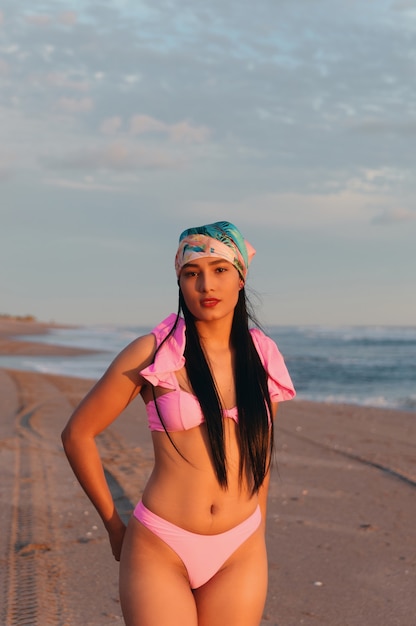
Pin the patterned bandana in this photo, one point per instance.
(221, 239)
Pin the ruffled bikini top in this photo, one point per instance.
(180, 409)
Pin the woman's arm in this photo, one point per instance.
(103, 404)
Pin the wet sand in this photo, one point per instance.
(341, 517)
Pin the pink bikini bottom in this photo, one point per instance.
(202, 555)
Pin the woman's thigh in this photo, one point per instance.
(236, 595)
(154, 586)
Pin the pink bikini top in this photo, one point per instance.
(180, 409)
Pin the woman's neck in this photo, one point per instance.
(214, 335)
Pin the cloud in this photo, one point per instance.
(75, 105)
(63, 80)
(4, 68)
(132, 79)
(181, 131)
(68, 17)
(377, 180)
(1, 18)
(117, 156)
(393, 216)
(39, 20)
(111, 125)
(404, 5)
(107, 243)
(299, 212)
(47, 53)
(7, 165)
(6, 173)
(88, 184)
(142, 124)
(382, 126)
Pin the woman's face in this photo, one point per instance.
(210, 287)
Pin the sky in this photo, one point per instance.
(123, 123)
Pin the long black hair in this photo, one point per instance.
(255, 421)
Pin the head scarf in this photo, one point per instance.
(221, 239)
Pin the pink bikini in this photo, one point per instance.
(202, 555)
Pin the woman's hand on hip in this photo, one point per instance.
(116, 537)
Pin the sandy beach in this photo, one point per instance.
(341, 516)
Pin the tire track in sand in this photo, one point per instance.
(32, 592)
(47, 522)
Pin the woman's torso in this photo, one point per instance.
(183, 487)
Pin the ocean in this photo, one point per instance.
(368, 366)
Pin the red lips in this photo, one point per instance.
(209, 302)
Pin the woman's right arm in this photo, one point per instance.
(103, 404)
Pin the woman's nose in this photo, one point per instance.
(204, 282)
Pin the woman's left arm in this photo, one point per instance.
(103, 404)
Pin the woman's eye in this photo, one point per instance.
(221, 269)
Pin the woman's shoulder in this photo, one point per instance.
(137, 354)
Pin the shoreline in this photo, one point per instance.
(10, 346)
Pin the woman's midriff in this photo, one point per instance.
(185, 491)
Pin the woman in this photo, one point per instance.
(193, 553)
